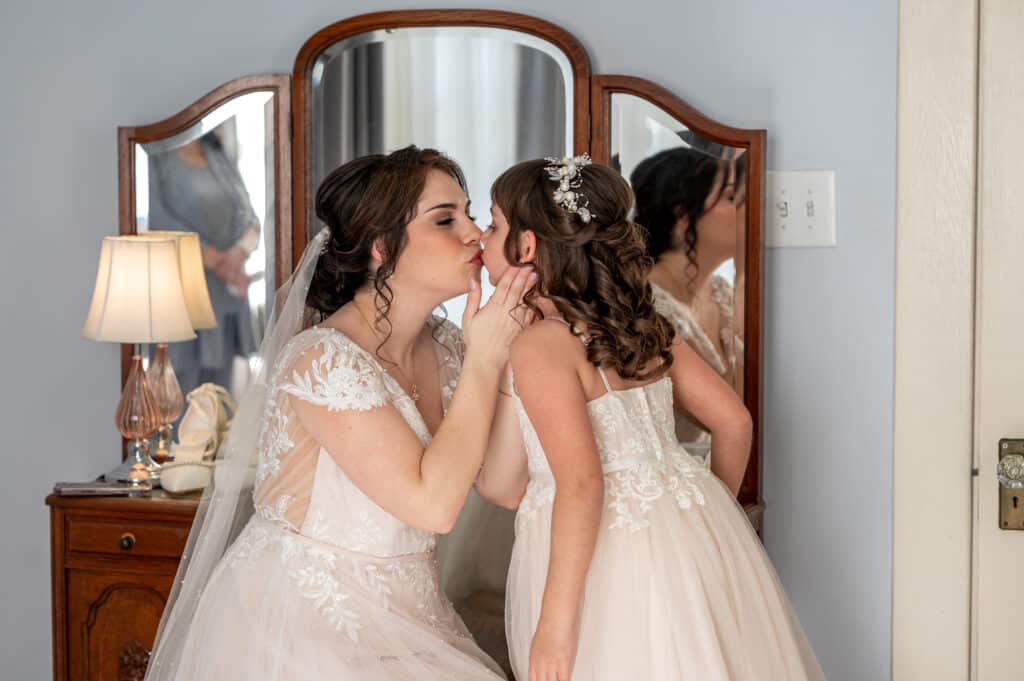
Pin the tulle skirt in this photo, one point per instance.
(675, 591)
(283, 607)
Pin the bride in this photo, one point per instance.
(312, 556)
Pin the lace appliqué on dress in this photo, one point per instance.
(420, 578)
(275, 443)
(313, 574)
(723, 296)
(687, 326)
(641, 460)
(450, 357)
(339, 381)
(365, 533)
(631, 493)
(317, 582)
(314, 569)
(539, 493)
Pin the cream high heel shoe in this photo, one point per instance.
(200, 434)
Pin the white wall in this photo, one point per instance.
(820, 76)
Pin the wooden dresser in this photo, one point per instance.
(113, 564)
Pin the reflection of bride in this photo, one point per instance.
(197, 187)
(312, 554)
(690, 203)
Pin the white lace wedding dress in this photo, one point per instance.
(688, 328)
(679, 587)
(322, 583)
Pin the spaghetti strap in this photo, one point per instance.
(556, 319)
(583, 339)
(604, 379)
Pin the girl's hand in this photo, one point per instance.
(553, 653)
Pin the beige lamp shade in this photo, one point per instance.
(138, 296)
(193, 277)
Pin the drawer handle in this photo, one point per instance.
(127, 541)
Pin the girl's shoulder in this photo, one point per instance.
(547, 342)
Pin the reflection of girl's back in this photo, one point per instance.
(688, 203)
(197, 187)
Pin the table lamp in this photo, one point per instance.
(162, 380)
(138, 298)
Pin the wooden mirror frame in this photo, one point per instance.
(302, 192)
(602, 89)
(129, 136)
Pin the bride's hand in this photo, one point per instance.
(489, 330)
(552, 654)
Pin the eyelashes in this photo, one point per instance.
(450, 220)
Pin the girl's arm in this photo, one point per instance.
(554, 399)
(713, 402)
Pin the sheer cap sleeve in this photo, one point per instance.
(333, 372)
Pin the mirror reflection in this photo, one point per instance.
(216, 179)
(487, 97)
(691, 199)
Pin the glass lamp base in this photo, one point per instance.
(147, 469)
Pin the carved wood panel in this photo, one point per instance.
(112, 619)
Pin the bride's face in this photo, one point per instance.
(442, 250)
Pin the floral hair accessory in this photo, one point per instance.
(566, 172)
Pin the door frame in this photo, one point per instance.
(936, 217)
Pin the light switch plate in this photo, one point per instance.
(801, 208)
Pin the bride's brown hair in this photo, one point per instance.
(595, 273)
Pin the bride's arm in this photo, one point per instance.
(378, 451)
(554, 399)
(503, 477)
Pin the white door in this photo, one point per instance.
(998, 554)
(958, 577)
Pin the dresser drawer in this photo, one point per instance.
(154, 540)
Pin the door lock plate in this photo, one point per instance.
(1010, 473)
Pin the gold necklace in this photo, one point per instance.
(414, 394)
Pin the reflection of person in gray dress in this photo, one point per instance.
(198, 188)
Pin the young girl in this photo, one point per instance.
(632, 560)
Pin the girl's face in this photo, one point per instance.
(494, 245)
(716, 227)
(442, 250)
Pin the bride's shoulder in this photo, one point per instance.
(316, 338)
(324, 366)
(321, 349)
